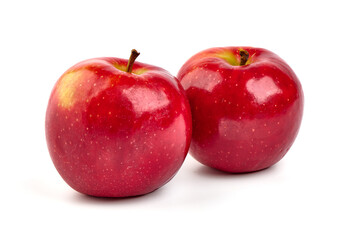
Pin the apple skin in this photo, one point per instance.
(245, 118)
(116, 134)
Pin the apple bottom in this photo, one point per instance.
(118, 165)
(245, 146)
(124, 182)
(234, 158)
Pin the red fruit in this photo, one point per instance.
(246, 105)
(116, 132)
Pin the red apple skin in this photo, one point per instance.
(245, 118)
(116, 134)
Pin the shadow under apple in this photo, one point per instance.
(87, 199)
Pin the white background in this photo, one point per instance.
(313, 193)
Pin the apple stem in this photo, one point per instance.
(133, 56)
(244, 56)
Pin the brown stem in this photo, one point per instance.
(244, 56)
(133, 56)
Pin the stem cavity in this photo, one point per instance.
(244, 56)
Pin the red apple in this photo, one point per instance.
(115, 130)
(246, 106)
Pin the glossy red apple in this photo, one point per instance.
(115, 130)
(246, 105)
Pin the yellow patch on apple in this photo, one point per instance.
(137, 71)
(229, 57)
(67, 87)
